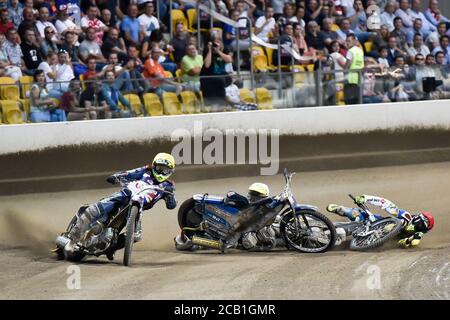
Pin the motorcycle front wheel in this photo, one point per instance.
(129, 238)
(377, 234)
(316, 233)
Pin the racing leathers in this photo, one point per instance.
(410, 236)
(93, 217)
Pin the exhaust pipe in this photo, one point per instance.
(208, 243)
(61, 241)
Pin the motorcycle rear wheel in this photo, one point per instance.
(302, 242)
(129, 238)
(188, 218)
(378, 237)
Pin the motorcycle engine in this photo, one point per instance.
(102, 241)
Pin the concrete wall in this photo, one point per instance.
(302, 121)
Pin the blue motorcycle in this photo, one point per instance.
(216, 222)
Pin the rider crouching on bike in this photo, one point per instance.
(262, 240)
(414, 225)
(95, 215)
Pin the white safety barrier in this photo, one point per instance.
(300, 121)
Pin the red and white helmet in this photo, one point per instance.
(424, 221)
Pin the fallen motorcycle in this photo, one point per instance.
(210, 221)
(372, 232)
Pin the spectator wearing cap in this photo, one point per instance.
(64, 71)
(415, 12)
(147, 20)
(32, 55)
(5, 21)
(265, 25)
(114, 44)
(15, 10)
(13, 49)
(29, 22)
(89, 47)
(113, 96)
(131, 28)
(49, 43)
(191, 66)
(91, 21)
(43, 22)
(418, 47)
(388, 16)
(434, 14)
(10, 70)
(64, 23)
(79, 67)
(154, 72)
(444, 46)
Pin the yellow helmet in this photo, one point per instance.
(257, 191)
(163, 166)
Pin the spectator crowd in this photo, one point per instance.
(135, 46)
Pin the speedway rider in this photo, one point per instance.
(261, 240)
(414, 225)
(95, 215)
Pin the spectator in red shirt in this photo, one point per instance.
(5, 22)
(156, 74)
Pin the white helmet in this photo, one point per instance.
(257, 191)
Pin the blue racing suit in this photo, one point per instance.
(144, 174)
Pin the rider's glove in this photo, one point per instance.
(360, 200)
(112, 179)
(403, 243)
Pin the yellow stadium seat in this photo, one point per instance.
(190, 103)
(11, 112)
(368, 46)
(83, 84)
(153, 105)
(168, 74)
(171, 104)
(25, 86)
(192, 19)
(26, 106)
(8, 89)
(340, 98)
(264, 99)
(177, 16)
(179, 74)
(335, 27)
(259, 59)
(309, 67)
(246, 95)
(135, 103)
(269, 55)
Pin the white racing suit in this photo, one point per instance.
(94, 216)
(409, 232)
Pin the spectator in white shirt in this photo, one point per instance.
(64, 23)
(49, 68)
(64, 71)
(148, 20)
(402, 12)
(418, 47)
(388, 16)
(415, 13)
(43, 22)
(265, 25)
(433, 39)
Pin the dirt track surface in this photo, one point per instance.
(28, 224)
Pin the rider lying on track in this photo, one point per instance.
(95, 215)
(414, 225)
